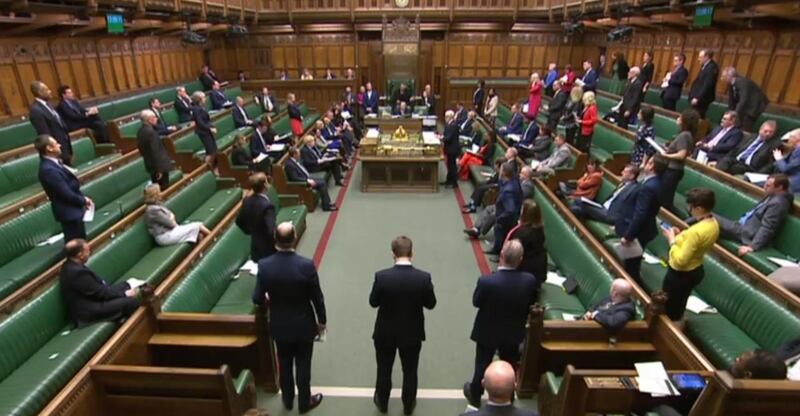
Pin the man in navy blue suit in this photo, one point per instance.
(590, 77)
(452, 149)
(47, 121)
(218, 98)
(289, 285)
(257, 218)
(183, 105)
(507, 206)
(296, 172)
(400, 293)
(722, 139)
(673, 83)
(240, 117)
(637, 217)
(62, 188)
(370, 100)
(161, 126)
(514, 125)
(77, 117)
(503, 300)
(609, 212)
(478, 97)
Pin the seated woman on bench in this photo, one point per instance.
(162, 225)
(483, 156)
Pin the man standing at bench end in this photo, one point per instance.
(46, 120)
(288, 283)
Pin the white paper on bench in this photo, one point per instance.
(51, 240)
(783, 262)
(554, 279)
(134, 282)
(696, 305)
(757, 178)
(250, 267)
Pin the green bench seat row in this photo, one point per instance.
(115, 195)
(41, 349)
(19, 178)
(216, 285)
(170, 115)
(747, 318)
(16, 135)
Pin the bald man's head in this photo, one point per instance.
(77, 250)
(499, 381)
(285, 236)
(511, 254)
(620, 291)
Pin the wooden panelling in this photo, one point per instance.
(92, 67)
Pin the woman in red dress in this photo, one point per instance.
(295, 115)
(483, 157)
(535, 98)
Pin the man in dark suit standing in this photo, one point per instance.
(47, 121)
(745, 97)
(478, 97)
(240, 117)
(753, 155)
(631, 98)
(557, 105)
(672, 86)
(218, 98)
(507, 206)
(77, 117)
(460, 113)
(721, 140)
(183, 105)
(267, 101)
(88, 297)
(151, 147)
(590, 77)
(161, 125)
(503, 300)
(400, 293)
(207, 78)
(429, 100)
(609, 212)
(370, 100)
(452, 149)
(257, 218)
(500, 382)
(296, 172)
(704, 87)
(62, 188)
(636, 219)
(289, 285)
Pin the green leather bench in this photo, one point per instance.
(216, 285)
(115, 195)
(135, 103)
(19, 178)
(36, 364)
(606, 144)
(16, 135)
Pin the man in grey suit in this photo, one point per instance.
(558, 158)
(757, 227)
(608, 212)
(486, 220)
(745, 97)
(499, 381)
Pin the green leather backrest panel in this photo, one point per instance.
(785, 123)
(202, 287)
(22, 233)
(730, 202)
(606, 190)
(282, 126)
(16, 135)
(665, 127)
(604, 104)
(117, 183)
(275, 198)
(24, 171)
(193, 86)
(609, 140)
(503, 114)
(715, 112)
(787, 238)
(186, 201)
(27, 330)
(83, 151)
(232, 93)
(566, 249)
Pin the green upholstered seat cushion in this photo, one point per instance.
(719, 339)
(557, 302)
(600, 230)
(237, 298)
(296, 214)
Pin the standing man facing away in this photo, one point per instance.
(62, 188)
(503, 299)
(289, 285)
(672, 86)
(46, 120)
(400, 293)
(156, 159)
(257, 218)
(704, 87)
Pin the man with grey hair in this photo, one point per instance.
(452, 149)
(151, 147)
(745, 97)
(615, 310)
(183, 105)
(753, 154)
(789, 164)
(46, 120)
(631, 98)
(503, 300)
(499, 380)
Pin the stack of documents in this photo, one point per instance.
(429, 138)
(756, 178)
(653, 379)
(373, 133)
(696, 305)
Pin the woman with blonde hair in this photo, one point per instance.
(535, 97)
(162, 225)
(587, 120)
(572, 110)
(530, 233)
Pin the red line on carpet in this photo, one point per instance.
(326, 233)
(480, 257)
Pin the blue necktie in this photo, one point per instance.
(747, 215)
(750, 150)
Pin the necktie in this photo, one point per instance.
(55, 114)
(749, 214)
(246, 120)
(261, 139)
(718, 137)
(616, 193)
(745, 156)
(73, 104)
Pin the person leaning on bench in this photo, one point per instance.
(77, 117)
(88, 297)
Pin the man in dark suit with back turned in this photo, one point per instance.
(62, 188)
(400, 293)
(452, 149)
(77, 117)
(672, 87)
(151, 147)
(296, 172)
(704, 87)
(47, 121)
(183, 105)
(500, 383)
(753, 154)
(503, 300)
(636, 219)
(257, 218)
(88, 297)
(289, 284)
(745, 97)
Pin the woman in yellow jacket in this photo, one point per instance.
(687, 250)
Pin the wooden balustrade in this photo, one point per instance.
(317, 94)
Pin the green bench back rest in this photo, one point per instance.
(609, 140)
(665, 127)
(23, 172)
(503, 115)
(785, 123)
(16, 135)
(566, 249)
(275, 198)
(112, 186)
(232, 93)
(20, 234)
(604, 104)
(606, 190)
(202, 287)
(786, 239)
